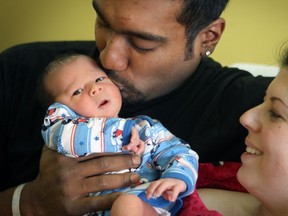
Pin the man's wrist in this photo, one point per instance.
(16, 200)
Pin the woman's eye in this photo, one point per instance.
(100, 79)
(274, 115)
(77, 92)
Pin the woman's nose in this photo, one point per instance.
(250, 119)
(115, 55)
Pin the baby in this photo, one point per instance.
(83, 119)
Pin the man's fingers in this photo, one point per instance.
(89, 204)
(108, 182)
(108, 163)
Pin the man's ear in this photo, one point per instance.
(211, 35)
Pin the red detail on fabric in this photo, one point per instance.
(220, 176)
(193, 206)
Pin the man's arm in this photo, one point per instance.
(63, 183)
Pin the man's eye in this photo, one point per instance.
(142, 50)
(142, 46)
(77, 92)
(100, 79)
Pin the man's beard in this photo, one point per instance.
(130, 95)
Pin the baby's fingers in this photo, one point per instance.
(134, 139)
(150, 190)
(140, 147)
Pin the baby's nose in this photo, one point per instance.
(95, 89)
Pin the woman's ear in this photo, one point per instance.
(211, 35)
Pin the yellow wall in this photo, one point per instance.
(38, 20)
(254, 32)
(255, 28)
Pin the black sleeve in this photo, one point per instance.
(20, 138)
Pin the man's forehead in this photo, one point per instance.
(126, 8)
(147, 19)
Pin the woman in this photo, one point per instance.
(264, 170)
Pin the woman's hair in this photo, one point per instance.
(284, 55)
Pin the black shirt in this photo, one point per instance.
(204, 111)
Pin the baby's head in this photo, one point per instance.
(77, 81)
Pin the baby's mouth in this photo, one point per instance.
(103, 103)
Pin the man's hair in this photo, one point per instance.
(44, 97)
(197, 14)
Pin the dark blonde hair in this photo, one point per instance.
(44, 97)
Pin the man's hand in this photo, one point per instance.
(63, 183)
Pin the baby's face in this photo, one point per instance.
(85, 88)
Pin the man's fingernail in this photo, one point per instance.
(135, 179)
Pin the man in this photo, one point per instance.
(157, 53)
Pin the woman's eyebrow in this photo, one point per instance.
(280, 100)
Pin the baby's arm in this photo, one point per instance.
(75, 136)
(136, 145)
(168, 187)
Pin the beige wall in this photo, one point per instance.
(255, 28)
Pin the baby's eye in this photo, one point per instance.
(100, 79)
(78, 92)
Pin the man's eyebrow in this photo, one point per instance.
(278, 99)
(141, 35)
(146, 36)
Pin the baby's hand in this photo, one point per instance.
(168, 187)
(136, 145)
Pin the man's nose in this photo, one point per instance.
(115, 54)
